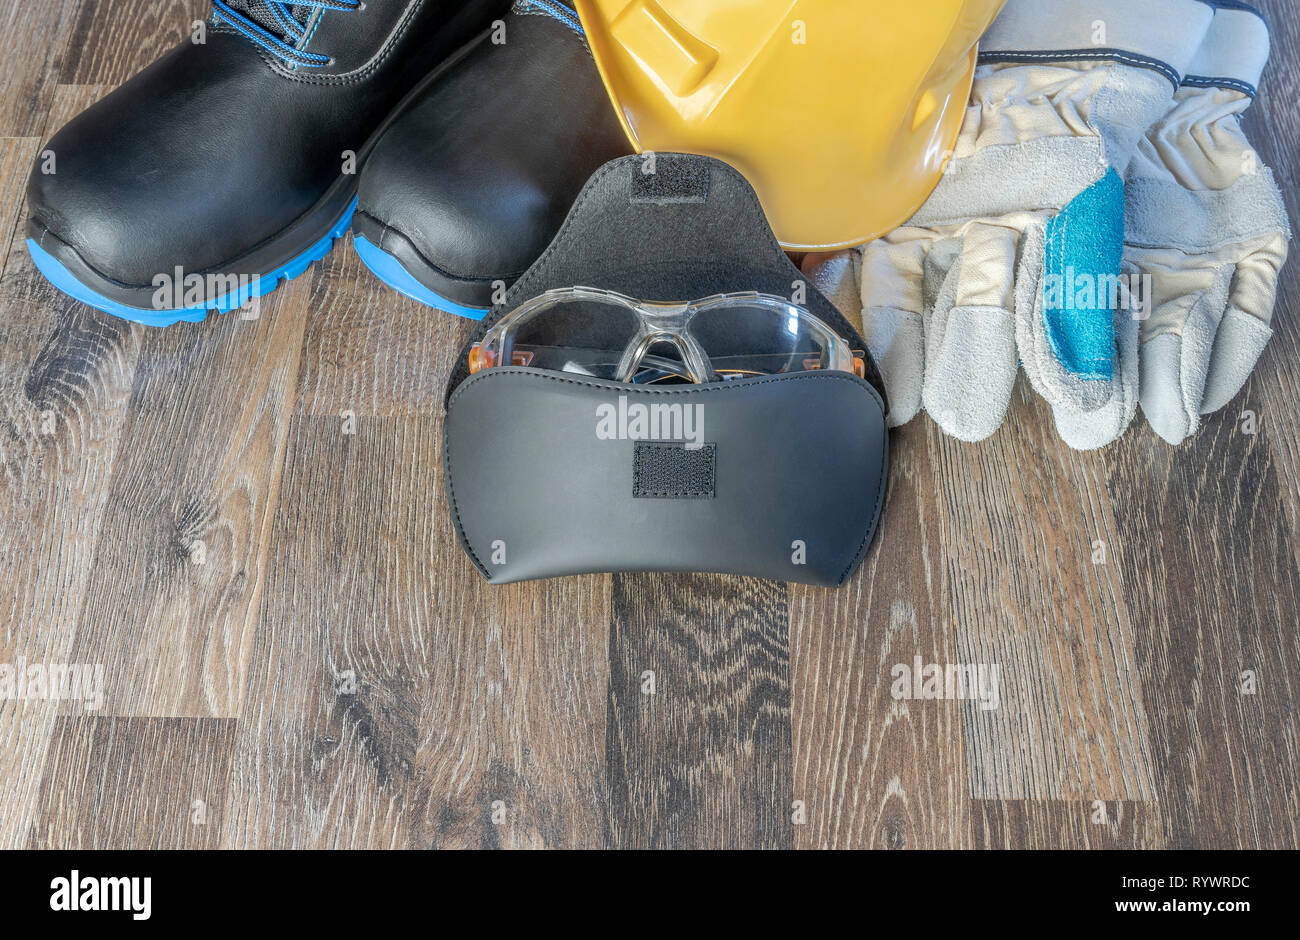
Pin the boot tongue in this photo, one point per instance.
(260, 12)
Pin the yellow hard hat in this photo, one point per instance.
(841, 113)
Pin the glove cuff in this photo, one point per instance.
(1162, 35)
(1234, 53)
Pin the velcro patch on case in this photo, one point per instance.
(665, 470)
(666, 178)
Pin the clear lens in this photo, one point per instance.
(769, 338)
(587, 337)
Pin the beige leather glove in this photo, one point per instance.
(1207, 229)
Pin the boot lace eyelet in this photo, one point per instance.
(275, 26)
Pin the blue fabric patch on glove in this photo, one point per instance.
(1082, 278)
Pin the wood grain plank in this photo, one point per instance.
(466, 695)
(704, 761)
(372, 351)
(1272, 395)
(134, 783)
(33, 39)
(461, 695)
(1121, 681)
(1063, 824)
(173, 597)
(110, 41)
(65, 377)
(873, 771)
(1209, 569)
(16, 155)
(1021, 513)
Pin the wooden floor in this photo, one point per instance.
(296, 653)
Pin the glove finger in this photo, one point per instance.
(1244, 330)
(1094, 429)
(970, 336)
(1237, 348)
(894, 337)
(1177, 347)
(892, 316)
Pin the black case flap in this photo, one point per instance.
(777, 477)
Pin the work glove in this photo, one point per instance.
(1005, 262)
(1207, 230)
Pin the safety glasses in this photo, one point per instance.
(607, 335)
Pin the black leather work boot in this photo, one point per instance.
(232, 162)
(471, 183)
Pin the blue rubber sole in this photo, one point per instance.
(64, 280)
(389, 270)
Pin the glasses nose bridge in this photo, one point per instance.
(665, 318)
(649, 336)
